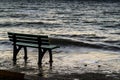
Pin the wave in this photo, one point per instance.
(38, 24)
(4, 42)
(13, 15)
(68, 42)
(112, 26)
(111, 13)
(6, 24)
(34, 1)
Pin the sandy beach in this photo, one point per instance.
(67, 65)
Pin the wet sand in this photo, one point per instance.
(67, 65)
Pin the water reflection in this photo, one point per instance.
(39, 70)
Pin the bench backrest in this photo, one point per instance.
(28, 38)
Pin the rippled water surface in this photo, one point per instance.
(88, 33)
(89, 22)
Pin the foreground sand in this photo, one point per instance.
(67, 65)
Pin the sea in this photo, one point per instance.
(87, 31)
(90, 24)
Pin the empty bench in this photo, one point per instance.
(41, 42)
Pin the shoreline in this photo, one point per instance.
(66, 64)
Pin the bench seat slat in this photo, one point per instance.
(27, 44)
(26, 35)
(36, 46)
(31, 41)
(25, 40)
(49, 46)
(28, 38)
(17, 37)
(43, 42)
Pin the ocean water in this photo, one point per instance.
(91, 24)
(87, 31)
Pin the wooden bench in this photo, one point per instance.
(41, 42)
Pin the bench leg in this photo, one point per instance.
(44, 51)
(50, 55)
(15, 52)
(25, 52)
(39, 56)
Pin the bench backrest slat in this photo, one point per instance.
(28, 38)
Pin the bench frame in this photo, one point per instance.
(29, 40)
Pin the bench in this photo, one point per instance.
(41, 42)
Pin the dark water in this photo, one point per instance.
(92, 24)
